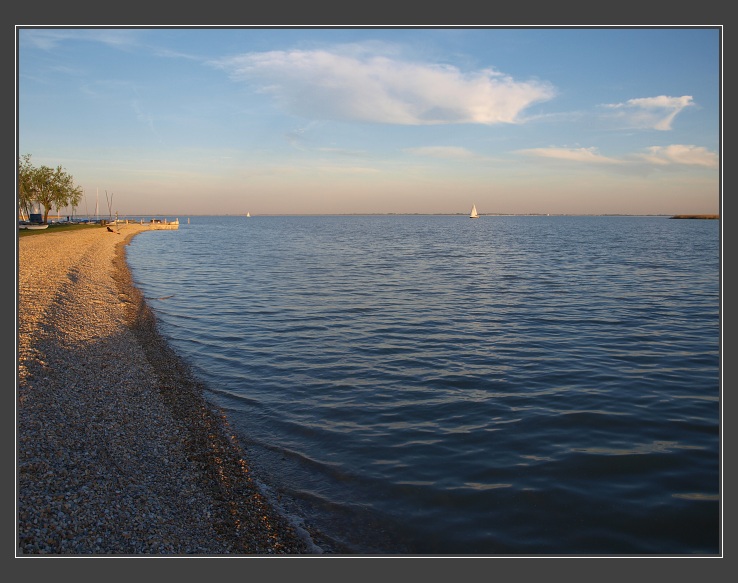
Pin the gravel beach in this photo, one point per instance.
(117, 450)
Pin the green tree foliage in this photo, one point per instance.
(49, 187)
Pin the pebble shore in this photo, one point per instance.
(117, 450)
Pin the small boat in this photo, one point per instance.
(34, 226)
(473, 214)
(248, 214)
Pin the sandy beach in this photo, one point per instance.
(117, 450)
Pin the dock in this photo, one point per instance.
(153, 224)
(163, 224)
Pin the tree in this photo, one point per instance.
(25, 184)
(45, 186)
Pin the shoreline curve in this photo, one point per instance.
(118, 452)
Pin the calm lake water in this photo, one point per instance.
(439, 385)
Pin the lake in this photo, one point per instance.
(435, 385)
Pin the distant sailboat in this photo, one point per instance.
(473, 214)
(248, 214)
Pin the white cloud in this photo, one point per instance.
(442, 152)
(681, 154)
(656, 113)
(588, 155)
(352, 86)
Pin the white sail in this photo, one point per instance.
(473, 214)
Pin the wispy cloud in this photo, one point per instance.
(51, 38)
(661, 156)
(323, 84)
(142, 115)
(109, 89)
(681, 154)
(453, 152)
(656, 113)
(296, 137)
(336, 169)
(344, 152)
(587, 155)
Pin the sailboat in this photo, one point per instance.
(473, 214)
(248, 214)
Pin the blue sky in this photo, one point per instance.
(187, 121)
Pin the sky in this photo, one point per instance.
(333, 120)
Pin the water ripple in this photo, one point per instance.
(426, 385)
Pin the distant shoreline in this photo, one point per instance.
(367, 214)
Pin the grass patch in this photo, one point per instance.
(57, 228)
